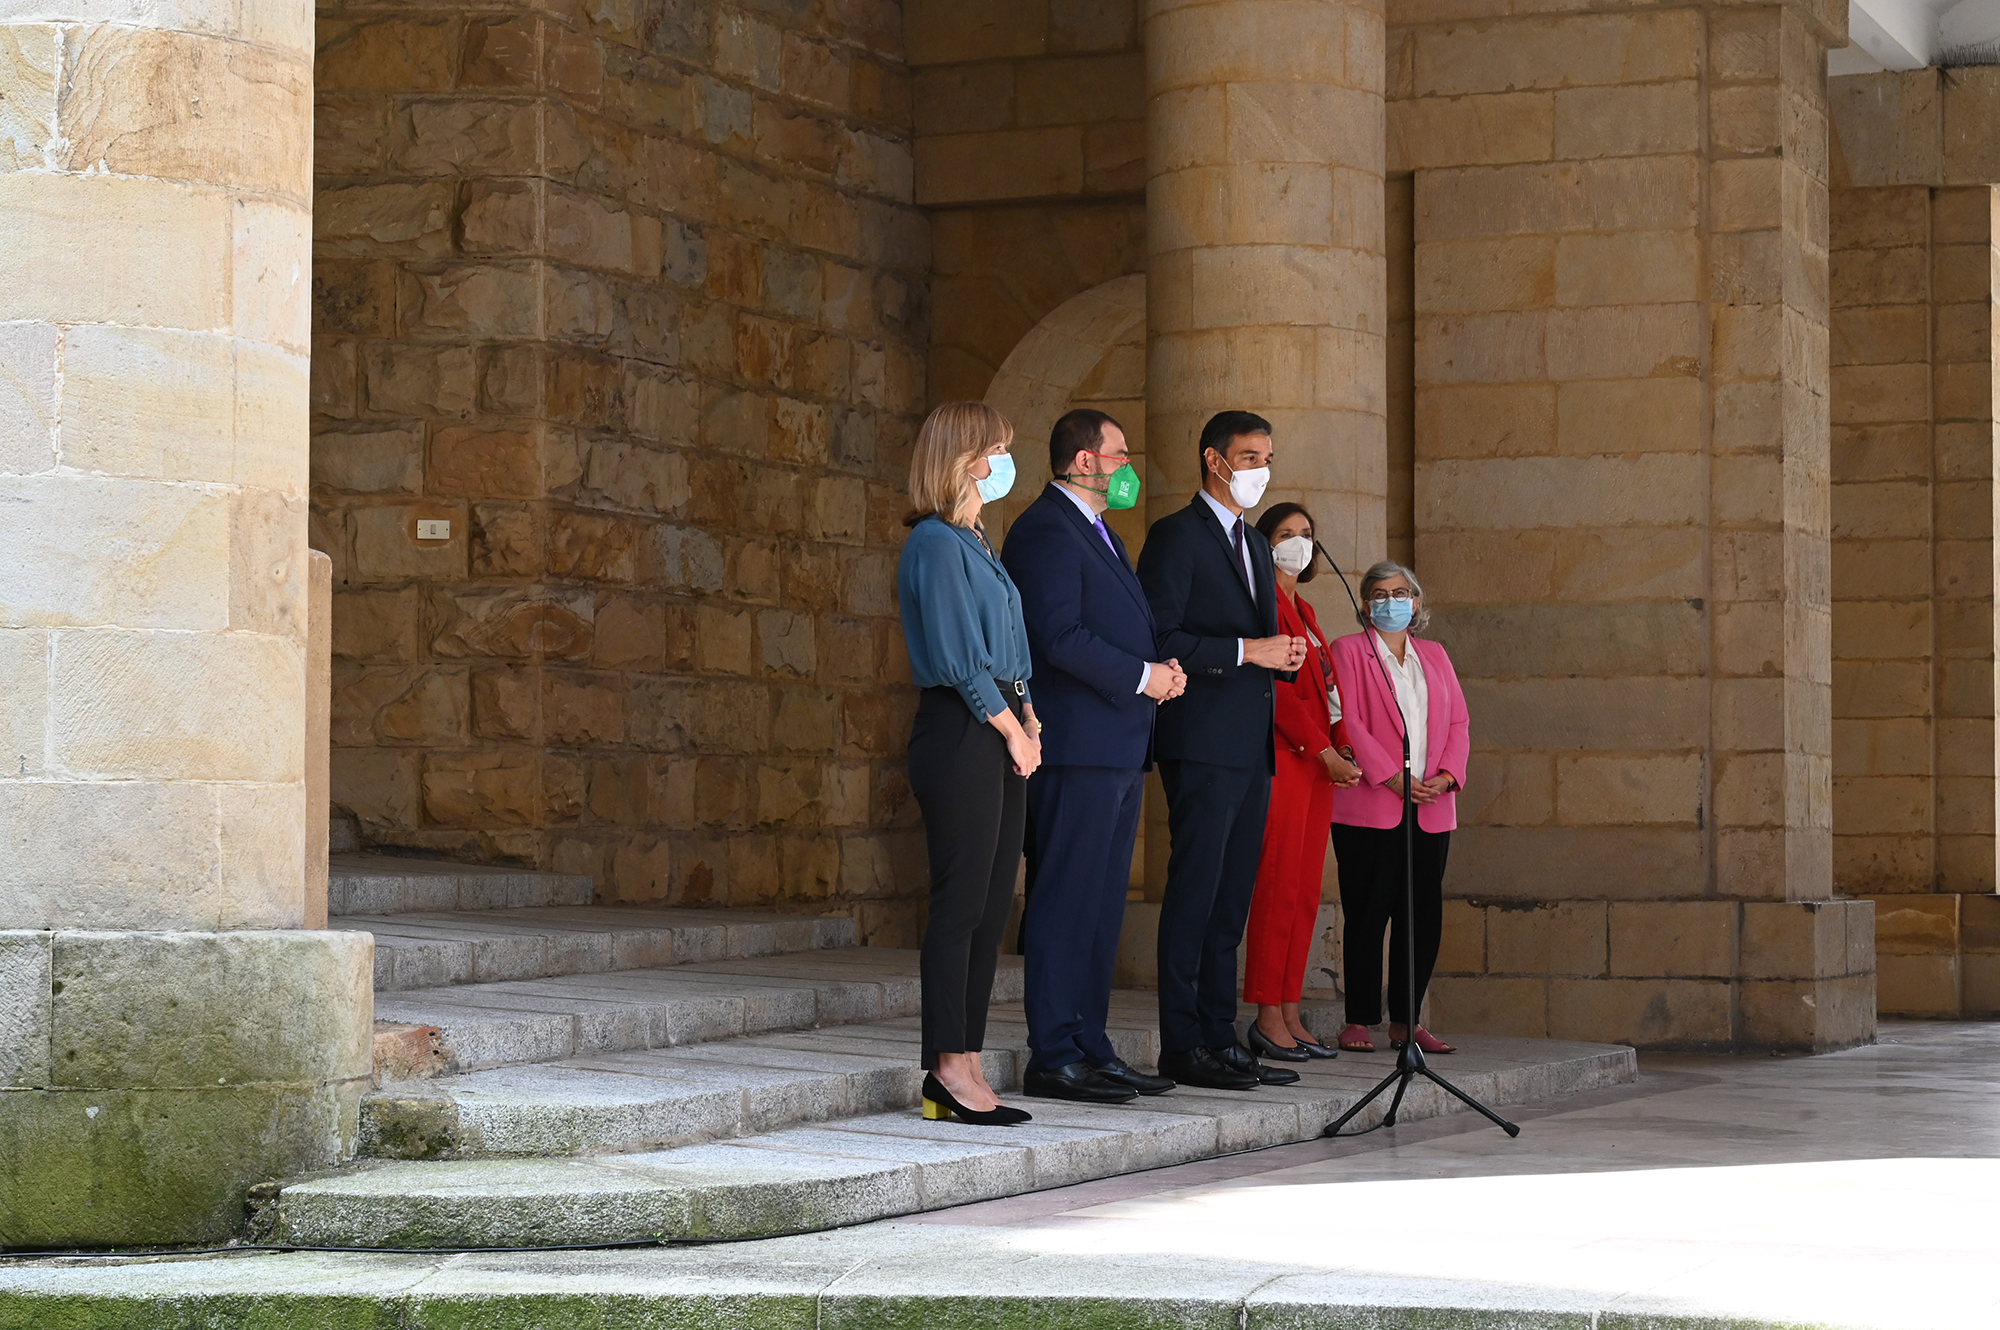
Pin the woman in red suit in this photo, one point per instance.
(1310, 766)
(1397, 683)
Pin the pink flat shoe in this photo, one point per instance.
(1427, 1041)
(1354, 1039)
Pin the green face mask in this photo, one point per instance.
(1121, 490)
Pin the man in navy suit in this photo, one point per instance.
(1213, 590)
(1091, 635)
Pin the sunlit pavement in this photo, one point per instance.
(1857, 1189)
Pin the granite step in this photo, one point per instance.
(880, 1161)
(374, 884)
(542, 1020)
(621, 1102)
(420, 950)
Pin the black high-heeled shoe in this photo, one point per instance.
(1315, 1049)
(939, 1105)
(1262, 1045)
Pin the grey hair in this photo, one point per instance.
(1382, 572)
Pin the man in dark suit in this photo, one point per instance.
(1090, 634)
(1213, 589)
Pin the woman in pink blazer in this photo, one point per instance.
(1391, 678)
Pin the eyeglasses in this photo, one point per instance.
(1378, 596)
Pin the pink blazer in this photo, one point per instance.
(1375, 728)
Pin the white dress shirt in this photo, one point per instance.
(1413, 695)
(1229, 521)
(1092, 516)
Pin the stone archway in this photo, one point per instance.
(1088, 351)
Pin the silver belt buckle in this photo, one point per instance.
(1020, 687)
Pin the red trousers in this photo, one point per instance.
(1286, 903)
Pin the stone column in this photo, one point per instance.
(1914, 213)
(1266, 286)
(155, 197)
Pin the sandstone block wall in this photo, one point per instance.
(1030, 158)
(1913, 438)
(1620, 325)
(633, 296)
(154, 203)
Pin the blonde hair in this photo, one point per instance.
(952, 439)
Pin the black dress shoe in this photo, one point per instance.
(1234, 1058)
(1199, 1067)
(1265, 1047)
(1078, 1081)
(1116, 1070)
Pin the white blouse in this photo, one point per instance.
(1413, 695)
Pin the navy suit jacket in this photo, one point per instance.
(1090, 632)
(1201, 607)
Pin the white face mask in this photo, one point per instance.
(1293, 554)
(1247, 486)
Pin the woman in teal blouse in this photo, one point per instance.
(974, 744)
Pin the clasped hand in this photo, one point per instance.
(1165, 680)
(1424, 791)
(1275, 653)
(1340, 768)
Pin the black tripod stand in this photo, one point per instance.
(1410, 1062)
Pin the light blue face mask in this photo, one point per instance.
(1391, 616)
(999, 481)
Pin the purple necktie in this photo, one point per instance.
(1105, 532)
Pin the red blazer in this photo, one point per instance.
(1374, 725)
(1302, 724)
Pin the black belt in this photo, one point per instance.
(1018, 687)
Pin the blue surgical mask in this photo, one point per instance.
(1391, 616)
(999, 481)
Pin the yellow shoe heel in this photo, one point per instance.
(934, 1111)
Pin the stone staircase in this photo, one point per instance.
(600, 1074)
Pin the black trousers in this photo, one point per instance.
(1084, 820)
(974, 810)
(1371, 896)
(1216, 817)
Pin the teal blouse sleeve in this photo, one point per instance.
(939, 594)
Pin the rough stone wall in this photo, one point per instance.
(633, 295)
(1913, 438)
(1621, 511)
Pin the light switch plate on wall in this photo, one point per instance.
(433, 528)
